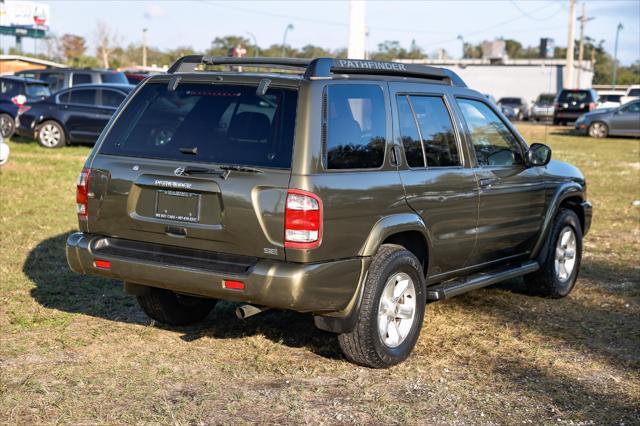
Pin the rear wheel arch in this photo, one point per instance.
(414, 242)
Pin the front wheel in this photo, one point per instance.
(391, 313)
(7, 126)
(171, 308)
(51, 135)
(560, 260)
(598, 130)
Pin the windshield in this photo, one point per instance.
(114, 77)
(37, 91)
(221, 124)
(634, 92)
(511, 101)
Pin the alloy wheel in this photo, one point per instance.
(396, 310)
(565, 258)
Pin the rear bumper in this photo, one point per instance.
(328, 287)
(568, 115)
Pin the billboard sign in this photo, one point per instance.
(24, 14)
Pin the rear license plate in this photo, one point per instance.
(177, 205)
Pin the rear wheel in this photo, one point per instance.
(598, 130)
(7, 125)
(51, 135)
(561, 258)
(392, 311)
(171, 308)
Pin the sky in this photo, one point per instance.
(432, 24)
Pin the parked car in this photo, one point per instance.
(542, 109)
(61, 78)
(515, 106)
(608, 101)
(621, 121)
(572, 103)
(5, 152)
(15, 92)
(75, 115)
(345, 190)
(135, 77)
(633, 92)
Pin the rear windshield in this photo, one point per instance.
(576, 95)
(510, 100)
(37, 90)
(221, 124)
(114, 77)
(634, 92)
(546, 98)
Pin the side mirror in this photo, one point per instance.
(539, 154)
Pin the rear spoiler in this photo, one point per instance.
(324, 68)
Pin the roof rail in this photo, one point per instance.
(325, 68)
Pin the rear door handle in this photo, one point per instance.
(487, 183)
(175, 231)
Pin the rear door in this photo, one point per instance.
(626, 120)
(439, 183)
(512, 196)
(202, 166)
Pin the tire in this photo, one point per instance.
(365, 344)
(598, 129)
(7, 126)
(558, 255)
(50, 134)
(171, 308)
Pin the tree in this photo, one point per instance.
(106, 40)
(73, 46)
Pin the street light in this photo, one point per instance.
(615, 57)
(144, 47)
(284, 40)
(255, 43)
(461, 40)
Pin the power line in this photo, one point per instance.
(528, 14)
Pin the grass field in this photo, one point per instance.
(76, 349)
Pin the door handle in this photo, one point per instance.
(487, 182)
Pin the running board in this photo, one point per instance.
(453, 288)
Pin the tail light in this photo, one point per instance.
(19, 100)
(302, 220)
(592, 106)
(82, 194)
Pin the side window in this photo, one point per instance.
(55, 80)
(8, 88)
(111, 98)
(493, 143)
(83, 97)
(63, 98)
(80, 78)
(409, 133)
(436, 129)
(355, 126)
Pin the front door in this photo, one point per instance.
(512, 196)
(85, 118)
(438, 183)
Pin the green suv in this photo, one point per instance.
(352, 190)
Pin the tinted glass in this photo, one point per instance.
(83, 96)
(356, 126)
(632, 107)
(409, 134)
(63, 98)
(510, 101)
(37, 91)
(80, 78)
(546, 99)
(222, 124)
(8, 88)
(111, 98)
(574, 96)
(634, 92)
(438, 138)
(114, 77)
(492, 141)
(55, 80)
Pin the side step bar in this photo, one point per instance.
(453, 288)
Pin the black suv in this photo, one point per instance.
(14, 93)
(61, 78)
(352, 190)
(571, 104)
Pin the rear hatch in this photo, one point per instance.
(575, 101)
(204, 166)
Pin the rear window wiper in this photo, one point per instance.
(239, 168)
(191, 170)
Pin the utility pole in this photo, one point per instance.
(144, 47)
(357, 30)
(284, 40)
(615, 57)
(583, 20)
(568, 75)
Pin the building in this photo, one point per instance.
(10, 64)
(524, 78)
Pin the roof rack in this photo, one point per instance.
(324, 68)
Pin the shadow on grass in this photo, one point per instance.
(57, 287)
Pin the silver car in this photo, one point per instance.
(621, 121)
